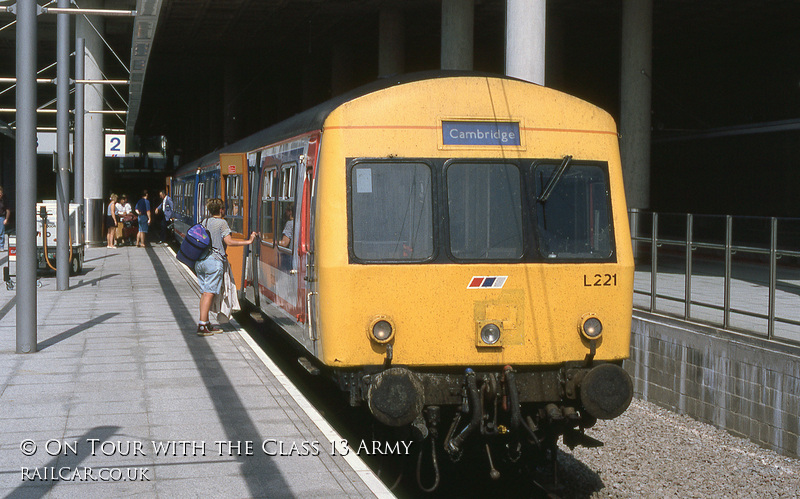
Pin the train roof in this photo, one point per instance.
(313, 118)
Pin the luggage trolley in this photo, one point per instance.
(46, 225)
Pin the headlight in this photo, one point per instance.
(382, 331)
(490, 334)
(592, 328)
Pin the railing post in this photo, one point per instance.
(687, 304)
(653, 262)
(633, 220)
(726, 319)
(773, 275)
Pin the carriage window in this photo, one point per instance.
(268, 186)
(234, 203)
(485, 211)
(573, 221)
(189, 189)
(392, 211)
(286, 205)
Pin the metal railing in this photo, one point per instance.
(762, 275)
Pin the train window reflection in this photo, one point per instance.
(574, 221)
(392, 211)
(485, 211)
(234, 203)
(268, 205)
(286, 205)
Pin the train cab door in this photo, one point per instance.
(235, 193)
(305, 247)
(252, 252)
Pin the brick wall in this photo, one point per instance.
(747, 385)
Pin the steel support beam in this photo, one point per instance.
(77, 139)
(26, 176)
(63, 241)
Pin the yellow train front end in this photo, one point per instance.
(483, 262)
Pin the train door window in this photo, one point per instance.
(286, 205)
(190, 193)
(391, 211)
(484, 204)
(234, 203)
(177, 197)
(268, 192)
(573, 221)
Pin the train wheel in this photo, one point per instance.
(75, 265)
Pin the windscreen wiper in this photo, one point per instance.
(554, 179)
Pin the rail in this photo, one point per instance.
(686, 273)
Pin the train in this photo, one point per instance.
(458, 258)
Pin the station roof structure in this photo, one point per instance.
(716, 64)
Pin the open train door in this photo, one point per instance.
(235, 196)
(307, 243)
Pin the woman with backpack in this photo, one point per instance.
(210, 267)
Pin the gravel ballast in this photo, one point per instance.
(653, 452)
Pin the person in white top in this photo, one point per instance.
(123, 207)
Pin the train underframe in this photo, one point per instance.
(507, 413)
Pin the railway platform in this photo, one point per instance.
(123, 398)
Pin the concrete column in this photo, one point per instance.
(458, 19)
(391, 42)
(525, 39)
(94, 139)
(635, 91)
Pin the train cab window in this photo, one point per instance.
(286, 205)
(234, 203)
(484, 205)
(573, 220)
(392, 211)
(268, 195)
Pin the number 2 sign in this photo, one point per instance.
(115, 145)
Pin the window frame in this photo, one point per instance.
(286, 194)
(268, 171)
(525, 214)
(353, 163)
(530, 194)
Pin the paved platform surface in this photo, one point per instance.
(749, 295)
(124, 399)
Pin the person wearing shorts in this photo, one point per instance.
(209, 268)
(111, 221)
(143, 211)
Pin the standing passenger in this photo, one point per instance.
(5, 213)
(125, 205)
(166, 209)
(143, 210)
(111, 221)
(209, 267)
(286, 239)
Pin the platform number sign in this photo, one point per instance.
(115, 145)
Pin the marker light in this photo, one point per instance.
(490, 334)
(592, 328)
(382, 330)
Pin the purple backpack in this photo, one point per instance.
(194, 245)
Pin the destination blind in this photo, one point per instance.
(480, 133)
